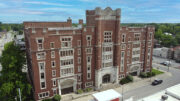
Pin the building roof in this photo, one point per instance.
(107, 95)
(174, 91)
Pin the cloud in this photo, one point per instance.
(45, 3)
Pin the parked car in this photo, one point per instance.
(156, 82)
(166, 63)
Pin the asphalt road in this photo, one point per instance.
(147, 90)
(160, 60)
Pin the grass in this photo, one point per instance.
(157, 72)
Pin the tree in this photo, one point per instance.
(12, 77)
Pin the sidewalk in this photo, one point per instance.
(127, 87)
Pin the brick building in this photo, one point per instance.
(62, 58)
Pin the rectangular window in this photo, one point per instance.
(79, 60)
(89, 84)
(33, 30)
(123, 46)
(52, 45)
(44, 30)
(66, 53)
(52, 54)
(123, 38)
(88, 50)
(66, 62)
(54, 91)
(53, 73)
(54, 82)
(79, 77)
(137, 36)
(128, 53)
(41, 56)
(40, 43)
(43, 85)
(41, 66)
(88, 67)
(88, 75)
(79, 51)
(88, 38)
(79, 43)
(42, 75)
(53, 64)
(66, 42)
(79, 68)
(107, 37)
(88, 59)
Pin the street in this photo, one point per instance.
(147, 90)
(142, 89)
(160, 60)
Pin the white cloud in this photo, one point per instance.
(2, 5)
(45, 3)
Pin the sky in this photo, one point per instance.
(132, 11)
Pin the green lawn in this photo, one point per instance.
(157, 72)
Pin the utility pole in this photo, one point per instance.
(19, 94)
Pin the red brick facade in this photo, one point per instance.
(62, 58)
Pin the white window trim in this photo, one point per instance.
(53, 44)
(53, 82)
(90, 85)
(54, 54)
(38, 43)
(40, 53)
(79, 51)
(52, 73)
(40, 71)
(79, 58)
(54, 63)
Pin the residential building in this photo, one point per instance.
(161, 52)
(62, 58)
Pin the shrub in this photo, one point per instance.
(79, 91)
(149, 74)
(153, 74)
(127, 79)
(56, 98)
(88, 89)
(130, 78)
(143, 75)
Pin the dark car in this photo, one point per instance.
(157, 81)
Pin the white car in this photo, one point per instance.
(166, 63)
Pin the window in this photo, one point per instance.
(42, 75)
(66, 62)
(123, 37)
(128, 53)
(41, 56)
(53, 64)
(40, 43)
(52, 54)
(137, 36)
(123, 46)
(88, 38)
(88, 75)
(84, 29)
(107, 49)
(66, 42)
(79, 51)
(52, 45)
(57, 32)
(66, 53)
(122, 61)
(89, 50)
(79, 77)
(54, 91)
(150, 35)
(54, 82)
(53, 73)
(88, 67)
(88, 84)
(79, 60)
(43, 85)
(149, 43)
(79, 43)
(44, 30)
(79, 68)
(67, 72)
(33, 30)
(89, 59)
(129, 46)
(122, 54)
(41, 66)
(43, 95)
(107, 37)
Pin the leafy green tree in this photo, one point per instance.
(12, 77)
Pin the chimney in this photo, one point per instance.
(80, 21)
(69, 21)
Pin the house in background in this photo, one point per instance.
(19, 41)
(161, 52)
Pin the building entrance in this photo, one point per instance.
(106, 78)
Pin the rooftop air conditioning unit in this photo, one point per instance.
(164, 97)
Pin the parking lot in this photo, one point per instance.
(160, 60)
